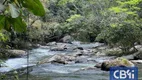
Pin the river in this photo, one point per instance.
(50, 71)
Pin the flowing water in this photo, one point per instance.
(50, 71)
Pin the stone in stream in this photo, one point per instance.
(78, 48)
(117, 62)
(137, 61)
(138, 55)
(16, 53)
(51, 44)
(67, 39)
(60, 58)
(59, 47)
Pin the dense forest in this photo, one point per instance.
(26, 23)
(115, 22)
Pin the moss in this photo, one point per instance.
(117, 62)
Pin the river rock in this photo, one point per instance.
(60, 58)
(63, 59)
(35, 45)
(17, 53)
(137, 61)
(45, 47)
(51, 44)
(138, 55)
(98, 65)
(117, 62)
(138, 47)
(78, 48)
(58, 49)
(66, 39)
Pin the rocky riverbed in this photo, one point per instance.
(63, 61)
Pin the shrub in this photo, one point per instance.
(123, 36)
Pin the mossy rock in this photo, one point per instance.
(117, 62)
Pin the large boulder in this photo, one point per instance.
(17, 53)
(60, 58)
(67, 39)
(117, 62)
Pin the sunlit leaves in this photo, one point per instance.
(118, 9)
(129, 2)
(64, 2)
(74, 17)
(35, 7)
(18, 24)
(2, 19)
(3, 38)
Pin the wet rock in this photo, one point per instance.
(78, 53)
(60, 47)
(81, 59)
(44, 47)
(138, 47)
(60, 58)
(17, 53)
(137, 61)
(100, 54)
(64, 59)
(98, 65)
(131, 56)
(117, 62)
(66, 39)
(83, 53)
(36, 45)
(138, 55)
(78, 48)
(51, 44)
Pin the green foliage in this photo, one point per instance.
(124, 36)
(16, 22)
(117, 22)
(34, 6)
(11, 16)
(64, 2)
(3, 37)
(2, 20)
(45, 33)
(73, 17)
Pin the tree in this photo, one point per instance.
(124, 27)
(12, 13)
